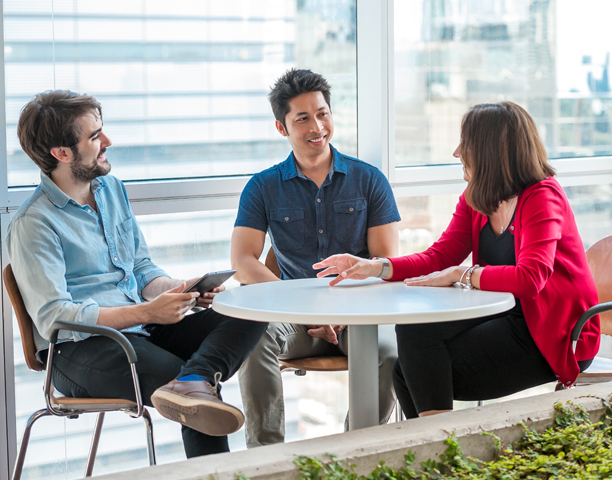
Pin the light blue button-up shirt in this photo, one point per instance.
(69, 260)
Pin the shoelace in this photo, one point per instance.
(218, 376)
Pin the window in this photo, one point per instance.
(182, 84)
(549, 56)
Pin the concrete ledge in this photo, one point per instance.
(366, 447)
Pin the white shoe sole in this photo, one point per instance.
(209, 417)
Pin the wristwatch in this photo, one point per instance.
(386, 265)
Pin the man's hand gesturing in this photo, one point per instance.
(326, 332)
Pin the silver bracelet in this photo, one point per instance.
(468, 278)
(461, 284)
(385, 266)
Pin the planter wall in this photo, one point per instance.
(366, 447)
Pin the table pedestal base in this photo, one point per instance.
(363, 376)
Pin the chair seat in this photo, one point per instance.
(599, 371)
(91, 404)
(317, 364)
(600, 365)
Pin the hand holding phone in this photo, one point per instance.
(208, 282)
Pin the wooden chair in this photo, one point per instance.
(600, 263)
(71, 407)
(313, 364)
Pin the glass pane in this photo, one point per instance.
(182, 84)
(592, 206)
(550, 56)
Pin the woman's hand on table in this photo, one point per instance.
(443, 278)
(348, 266)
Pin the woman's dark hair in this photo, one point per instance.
(293, 83)
(502, 149)
(50, 120)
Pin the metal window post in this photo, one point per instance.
(8, 436)
(374, 28)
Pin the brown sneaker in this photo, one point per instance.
(196, 405)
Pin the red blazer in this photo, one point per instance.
(551, 277)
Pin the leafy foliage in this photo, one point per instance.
(572, 448)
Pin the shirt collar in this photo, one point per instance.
(290, 168)
(57, 196)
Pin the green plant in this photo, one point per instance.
(572, 447)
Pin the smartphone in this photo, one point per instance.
(209, 281)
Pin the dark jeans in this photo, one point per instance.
(478, 359)
(203, 343)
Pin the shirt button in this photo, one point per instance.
(286, 219)
(319, 200)
(125, 279)
(351, 209)
(320, 231)
(88, 210)
(115, 259)
(557, 376)
(322, 259)
(512, 227)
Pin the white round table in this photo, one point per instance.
(363, 304)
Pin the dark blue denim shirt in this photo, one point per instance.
(307, 223)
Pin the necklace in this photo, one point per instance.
(506, 215)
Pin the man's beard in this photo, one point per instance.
(85, 174)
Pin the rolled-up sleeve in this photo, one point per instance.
(144, 268)
(37, 260)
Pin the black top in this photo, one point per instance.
(499, 250)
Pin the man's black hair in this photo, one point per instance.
(293, 83)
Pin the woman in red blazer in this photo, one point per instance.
(515, 220)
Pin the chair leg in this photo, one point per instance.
(24, 441)
(480, 403)
(93, 450)
(149, 430)
(399, 415)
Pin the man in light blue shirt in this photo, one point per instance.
(79, 256)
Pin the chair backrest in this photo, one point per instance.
(600, 263)
(23, 319)
(272, 263)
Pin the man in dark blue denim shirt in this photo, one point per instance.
(315, 204)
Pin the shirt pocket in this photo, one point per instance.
(351, 220)
(126, 246)
(287, 227)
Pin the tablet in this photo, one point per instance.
(209, 281)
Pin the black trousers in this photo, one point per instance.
(203, 343)
(477, 359)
